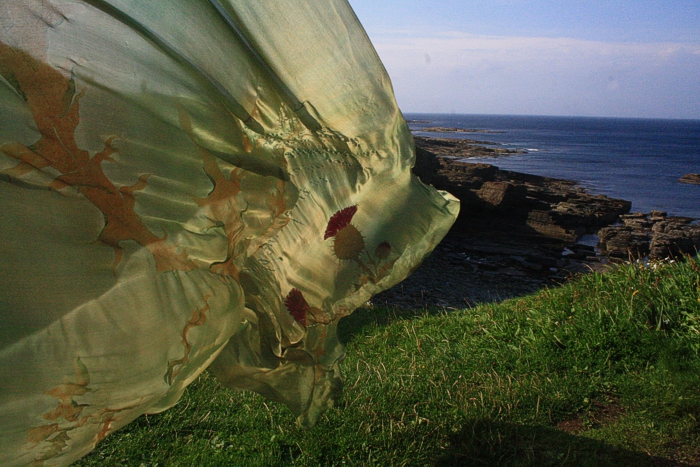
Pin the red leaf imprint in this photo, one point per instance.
(297, 306)
(339, 221)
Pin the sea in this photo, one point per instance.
(639, 160)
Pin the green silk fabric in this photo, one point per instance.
(190, 184)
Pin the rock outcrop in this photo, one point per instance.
(655, 235)
(463, 148)
(693, 179)
(499, 202)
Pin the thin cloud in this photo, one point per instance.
(497, 74)
(460, 48)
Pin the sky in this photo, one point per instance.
(613, 58)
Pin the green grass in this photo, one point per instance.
(602, 371)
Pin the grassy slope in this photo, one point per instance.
(603, 371)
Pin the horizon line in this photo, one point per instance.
(550, 115)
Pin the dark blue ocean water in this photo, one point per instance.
(639, 160)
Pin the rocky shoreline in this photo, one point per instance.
(462, 148)
(442, 129)
(517, 233)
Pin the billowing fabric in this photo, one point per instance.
(187, 184)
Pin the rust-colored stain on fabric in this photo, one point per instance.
(199, 317)
(55, 104)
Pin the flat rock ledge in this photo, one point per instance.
(654, 235)
(462, 148)
(442, 129)
(692, 179)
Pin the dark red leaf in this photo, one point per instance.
(297, 306)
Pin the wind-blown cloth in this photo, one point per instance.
(187, 184)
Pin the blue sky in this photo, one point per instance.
(595, 58)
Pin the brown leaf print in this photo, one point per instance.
(198, 318)
(68, 410)
(54, 104)
(41, 433)
(221, 204)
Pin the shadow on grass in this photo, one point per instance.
(489, 443)
(366, 318)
